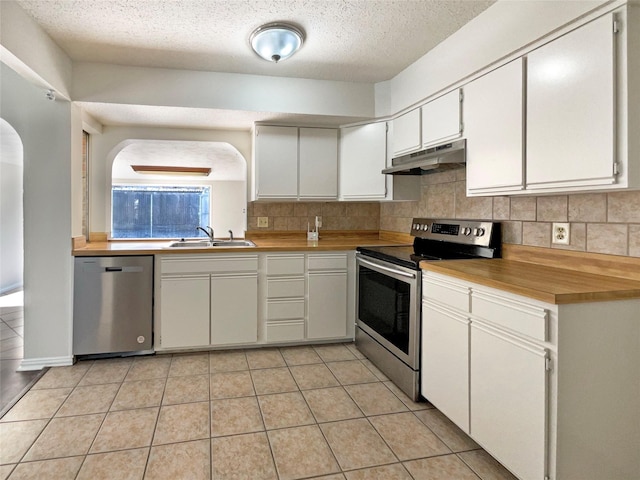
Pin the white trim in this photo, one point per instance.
(29, 364)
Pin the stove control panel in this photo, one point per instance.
(471, 232)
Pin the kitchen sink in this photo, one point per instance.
(215, 244)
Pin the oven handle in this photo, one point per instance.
(386, 269)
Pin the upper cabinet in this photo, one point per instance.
(363, 155)
(494, 128)
(407, 133)
(571, 115)
(292, 163)
(441, 119)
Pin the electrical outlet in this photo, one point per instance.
(263, 222)
(560, 233)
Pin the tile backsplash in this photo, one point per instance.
(600, 222)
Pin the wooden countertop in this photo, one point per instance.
(542, 282)
(265, 242)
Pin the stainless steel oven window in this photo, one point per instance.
(388, 307)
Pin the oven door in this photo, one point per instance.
(388, 305)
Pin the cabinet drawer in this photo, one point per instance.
(516, 316)
(285, 264)
(328, 262)
(285, 309)
(209, 264)
(285, 331)
(440, 290)
(285, 287)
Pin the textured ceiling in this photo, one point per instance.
(349, 40)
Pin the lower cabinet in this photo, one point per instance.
(327, 305)
(185, 311)
(234, 309)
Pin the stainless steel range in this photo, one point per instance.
(389, 291)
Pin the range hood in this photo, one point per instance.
(431, 160)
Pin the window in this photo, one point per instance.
(159, 211)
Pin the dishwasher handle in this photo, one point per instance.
(123, 269)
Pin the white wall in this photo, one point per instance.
(229, 208)
(104, 148)
(11, 237)
(45, 129)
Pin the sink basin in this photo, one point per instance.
(216, 244)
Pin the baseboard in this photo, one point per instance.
(29, 364)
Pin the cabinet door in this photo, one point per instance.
(234, 309)
(445, 362)
(327, 305)
(276, 162)
(570, 109)
(441, 119)
(363, 156)
(494, 128)
(509, 401)
(406, 133)
(318, 163)
(184, 311)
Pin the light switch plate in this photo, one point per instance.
(263, 222)
(560, 233)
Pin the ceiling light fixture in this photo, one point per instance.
(276, 41)
(162, 170)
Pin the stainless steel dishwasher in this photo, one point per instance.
(112, 305)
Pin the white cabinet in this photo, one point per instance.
(185, 311)
(276, 162)
(327, 295)
(407, 133)
(441, 119)
(284, 304)
(318, 163)
(494, 128)
(363, 156)
(207, 300)
(571, 109)
(295, 163)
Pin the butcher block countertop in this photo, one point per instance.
(265, 242)
(566, 277)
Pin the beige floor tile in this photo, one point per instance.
(5, 470)
(65, 437)
(17, 437)
(242, 457)
(375, 398)
(301, 452)
(122, 465)
(386, 472)
(334, 353)
(126, 429)
(407, 436)
(181, 423)
(230, 385)
(485, 466)
(351, 372)
(61, 377)
(188, 461)
(58, 469)
(375, 370)
(232, 416)
(186, 389)
(446, 467)
(300, 355)
(37, 404)
(449, 433)
(139, 394)
(356, 444)
(313, 376)
(107, 371)
(146, 368)
(356, 353)
(331, 404)
(411, 405)
(191, 364)
(283, 410)
(89, 399)
(337, 476)
(273, 380)
(227, 362)
(265, 358)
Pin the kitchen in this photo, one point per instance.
(527, 219)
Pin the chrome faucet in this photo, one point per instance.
(208, 232)
(231, 235)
